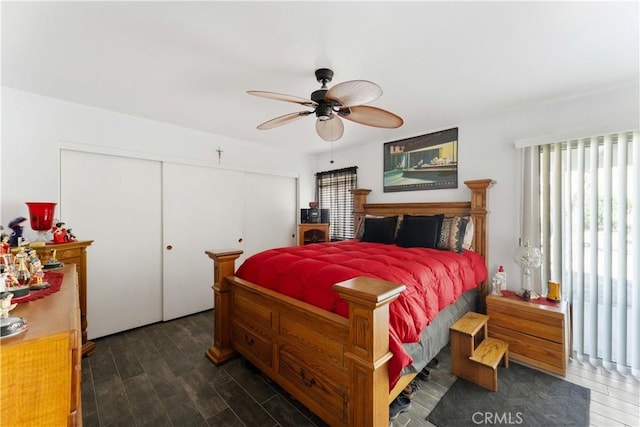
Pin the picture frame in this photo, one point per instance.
(425, 162)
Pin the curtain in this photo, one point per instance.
(589, 228)
(333, 192)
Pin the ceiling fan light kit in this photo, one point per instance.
(343, 100)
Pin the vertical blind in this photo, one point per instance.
(333, 192)
(590, 221)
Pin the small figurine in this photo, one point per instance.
(59, 232)
(38, 277)
(5, 247)
(11, 281)
(5, 251)
(36, 269)
(34, 262)
(5, 304)
(62, 234)
(6, 262)
(17, 227)
(52, 262)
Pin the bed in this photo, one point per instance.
(337, 366)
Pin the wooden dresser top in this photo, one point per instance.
(50, 315)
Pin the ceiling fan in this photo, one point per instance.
(343, 100)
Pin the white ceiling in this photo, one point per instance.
(438, 63)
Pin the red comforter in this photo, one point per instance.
(433, 278)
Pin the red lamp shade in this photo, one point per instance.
(41, 215)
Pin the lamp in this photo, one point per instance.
(528, 258)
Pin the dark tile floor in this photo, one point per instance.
(158, 375)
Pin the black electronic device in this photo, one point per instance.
(314, 215)
(324, 216)
(304, 216)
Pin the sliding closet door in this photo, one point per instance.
(270, 218)
(116, 202)
(203, 210)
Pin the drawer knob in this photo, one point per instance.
(248, 340)
(308, 383)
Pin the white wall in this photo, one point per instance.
(486, 150)
(35, 128)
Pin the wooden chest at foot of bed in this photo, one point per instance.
(308, 362)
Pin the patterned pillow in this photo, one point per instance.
(452, 233)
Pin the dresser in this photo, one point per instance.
(73, 253)
(537, 332)
(41, 367)
(313, 233)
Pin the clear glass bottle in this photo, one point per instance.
(22, 272)
(499, 281)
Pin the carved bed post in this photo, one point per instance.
(359, 199)
(368, 348)
(479, 213)
(223, 266)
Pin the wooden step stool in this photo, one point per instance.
(475, 356)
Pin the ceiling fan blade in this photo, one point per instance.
(282, 120)
(354, 92)
(283, 97)
(372, 116)
(330, 130)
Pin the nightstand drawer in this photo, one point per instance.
(549, 329)
(69, 255)
(529, 347)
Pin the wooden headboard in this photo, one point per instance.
(476, 207)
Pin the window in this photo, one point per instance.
(333, 192)
(590, 226)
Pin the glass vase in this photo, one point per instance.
(41, 217)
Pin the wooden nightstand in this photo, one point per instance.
(537, 332)
(312, 233)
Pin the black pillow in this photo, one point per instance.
(420, 231)
(380, 230)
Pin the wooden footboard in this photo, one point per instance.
(336, 367)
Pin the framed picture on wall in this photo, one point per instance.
(424, 162)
